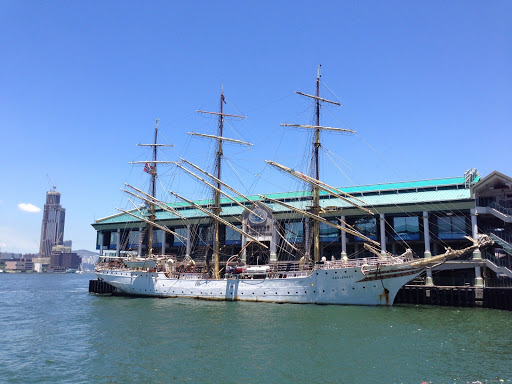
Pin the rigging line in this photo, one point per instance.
(332, 92)
(230, 103)
(238, 134)
(345, 162)
(372, 206)
(401, 209)
(257, 108)
(255, 179)
(337, 166)
(237, 176)
(341, 121)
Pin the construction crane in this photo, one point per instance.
(50, 182)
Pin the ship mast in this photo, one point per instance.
(153, 193)
(218, 162)
(150, 167)
(217, 208)
(315, 208)
(316, 191)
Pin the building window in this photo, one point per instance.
(328, 234)
(179, 241)
(158, 236)
(133, 239)
(406, 228)
(233, 237)
(113, 240)
(205, 235)
(451, 227)
(294, 232)
(368, 227)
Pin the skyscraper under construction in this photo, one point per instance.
(52, 228)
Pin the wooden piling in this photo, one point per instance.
(497, 298)
(101, 287)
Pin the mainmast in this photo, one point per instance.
(218, 163)
(153, 193)
(217, 208)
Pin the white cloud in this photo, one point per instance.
(27, 207)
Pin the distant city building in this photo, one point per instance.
(10, 255)
(41, 264)
(62, 259)
(19, 265)
(52, 228)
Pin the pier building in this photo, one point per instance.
(426, 216)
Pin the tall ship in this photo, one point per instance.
(306, 278)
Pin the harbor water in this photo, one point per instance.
(54, 331)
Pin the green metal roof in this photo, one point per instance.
(378, 195)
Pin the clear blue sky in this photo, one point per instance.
(427, 85)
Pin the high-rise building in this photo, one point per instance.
(52, 228)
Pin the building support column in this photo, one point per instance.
(140, 241)
(477, 254)
(273, 243)
(343, 239)
(382, 234)
(426, 236)
(118, 245)
(427, 254)
(164, 240)
(429, 282)
(479, 281)
(189, 240)
(243, 256)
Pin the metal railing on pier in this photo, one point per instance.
(500, 208)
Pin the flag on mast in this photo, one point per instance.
(148, 168)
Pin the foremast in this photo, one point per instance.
(150, 168)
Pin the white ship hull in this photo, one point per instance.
(321, 286)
